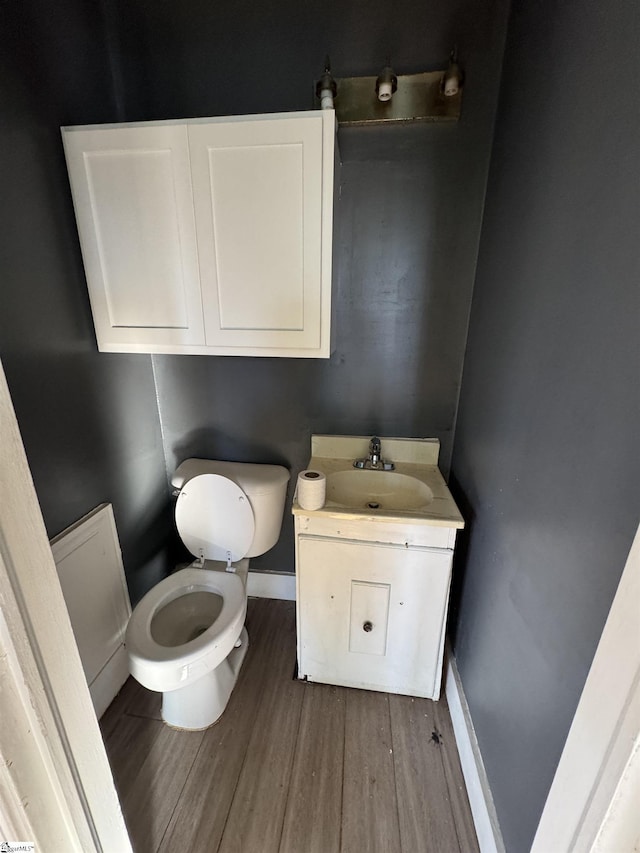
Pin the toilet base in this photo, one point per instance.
(202, 703)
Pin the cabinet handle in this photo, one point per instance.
(368, 626)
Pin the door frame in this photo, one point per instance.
(55, 780)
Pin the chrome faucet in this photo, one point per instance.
(374, 461)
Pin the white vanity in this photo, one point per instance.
(373, 567)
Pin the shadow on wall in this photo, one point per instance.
(401, 297)
(460, 557)
(213, 443)
(154, 551)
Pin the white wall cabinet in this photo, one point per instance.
(371, 614)
(208, 236)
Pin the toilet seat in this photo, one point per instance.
(228, 531)
(165, 668)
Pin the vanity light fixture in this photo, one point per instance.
(429, 96)
(452, 79)
(326, 89)
(386, 84)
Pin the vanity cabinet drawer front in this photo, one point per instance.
(374, 530)
(372, 616)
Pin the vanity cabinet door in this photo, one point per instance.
(371, 615)
(258, 192)
(134, 208)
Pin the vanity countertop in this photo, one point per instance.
(414, 458)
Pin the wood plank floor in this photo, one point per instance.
(290, 767)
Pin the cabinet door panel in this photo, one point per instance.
(258, 236)
(258, 201)
(402, 592)
(132, 194)
(369, 617)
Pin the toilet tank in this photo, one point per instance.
(264, 485)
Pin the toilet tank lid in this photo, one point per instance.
(253, 478)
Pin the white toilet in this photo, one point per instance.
(186, 637)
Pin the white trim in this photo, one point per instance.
(620, 829)
(64, 763)
(29, 779)
(483, 810)
(605, 727)
(97, 599)
(280, 585)
(107, 684)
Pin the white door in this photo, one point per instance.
(134, 207)
(258, 200)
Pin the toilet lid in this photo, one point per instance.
(213, 515)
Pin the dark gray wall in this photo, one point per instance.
(408, 228)
(89, 421)
(546, 449)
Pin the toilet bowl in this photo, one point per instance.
(181, 639)
(186, 637)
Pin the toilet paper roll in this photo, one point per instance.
(312, 489)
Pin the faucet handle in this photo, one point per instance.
(374, 462)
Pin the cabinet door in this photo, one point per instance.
(258, 192)
(134, 208)
(372, 616)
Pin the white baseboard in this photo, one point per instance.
(475, 777)
(280, 585)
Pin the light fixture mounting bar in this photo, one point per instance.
(419, 98)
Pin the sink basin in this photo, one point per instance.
(385, 490)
